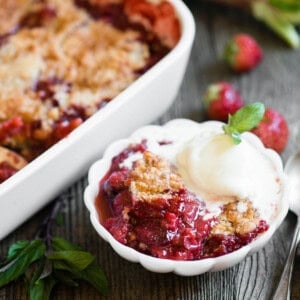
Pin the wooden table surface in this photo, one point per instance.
(276, 82)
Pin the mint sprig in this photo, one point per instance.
(47, 261)
(245, 119)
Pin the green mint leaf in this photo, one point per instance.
(94, 276)
(36, 272)
(33, 252)
(47, 270)
(15, 249)
(236, 138)
(59, 244)
(43, 270)
(71, 259)
(41, 289)
(246, 118)
(65, 277)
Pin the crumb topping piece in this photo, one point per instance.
(15, 160)
(153, 177)
(238, 217)
(10, 14)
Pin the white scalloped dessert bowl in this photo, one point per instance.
(184, 268)
(142, 102)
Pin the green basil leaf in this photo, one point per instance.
(41, 289)
(94, 275)
(59, 244)
(73, 259)
(34, 251)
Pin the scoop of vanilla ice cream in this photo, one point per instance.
(220, 171)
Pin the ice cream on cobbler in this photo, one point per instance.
(189, 193)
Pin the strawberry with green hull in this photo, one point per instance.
(273, 130)
(242, 53)
(220, 100)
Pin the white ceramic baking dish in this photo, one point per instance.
(143, 101)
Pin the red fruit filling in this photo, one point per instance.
(6, 171)
(175, 226)
(10, 128)
(220, 244)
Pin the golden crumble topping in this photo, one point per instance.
(153, 177)
(12, 158)
(10, 13)
(238, 217)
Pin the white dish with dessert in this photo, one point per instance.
(184, 198)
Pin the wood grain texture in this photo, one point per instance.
(275, 82)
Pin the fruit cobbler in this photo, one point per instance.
(188, 196)
(61, 61)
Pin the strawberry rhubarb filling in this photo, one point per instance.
(177, 198)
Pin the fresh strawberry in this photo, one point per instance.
(273, 130)
(221, 99)
(242, 53)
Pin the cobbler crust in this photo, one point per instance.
(153, 177)
(12, 158)
(10, 13)
(236, 221)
